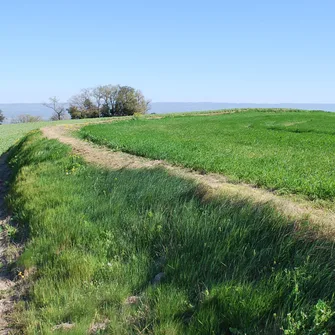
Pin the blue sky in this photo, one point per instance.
(219, 51)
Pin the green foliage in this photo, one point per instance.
(75, 113)
(98, 237)
(2, 117)
(11, 231)
(130, 101)
(108, 100)
(316, 322)
(284, 151)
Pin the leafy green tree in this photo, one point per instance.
(109, 96)
(105, 111)
(75, 112)
(130, 101)
(108, 100)
(90, 109)
(2, 117)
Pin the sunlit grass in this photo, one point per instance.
(284, 151)
(98, 237)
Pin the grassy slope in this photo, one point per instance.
(292, 152)
(97, 237)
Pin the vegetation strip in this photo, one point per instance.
(298, 210)
(99, 239)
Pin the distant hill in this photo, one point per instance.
(37, 109)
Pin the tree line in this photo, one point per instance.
(107, 101)
(100, 101)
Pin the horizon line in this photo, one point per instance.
(195, 102)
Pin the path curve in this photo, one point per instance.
(294, 209)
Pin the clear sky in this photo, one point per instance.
(219, 51)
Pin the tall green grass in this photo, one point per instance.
(286, 151)
(98, 237)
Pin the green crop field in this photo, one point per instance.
(10, 133)
(96, 239)
(285, 151)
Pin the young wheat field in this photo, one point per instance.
(285, 151)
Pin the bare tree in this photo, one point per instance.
(97, 94)
(26, 118)
(57, 107)
(81, 99)
(143, 104)
(110, 93)
(77, 101)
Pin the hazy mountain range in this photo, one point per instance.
(37, 109)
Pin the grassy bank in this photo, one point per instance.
(97, 238)
(291, 152)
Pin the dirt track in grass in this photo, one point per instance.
(296, 209)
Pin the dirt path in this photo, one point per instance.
(298, 210)
(6, 284)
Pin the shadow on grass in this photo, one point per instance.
(99, 236)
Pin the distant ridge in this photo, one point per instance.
(37, 109)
